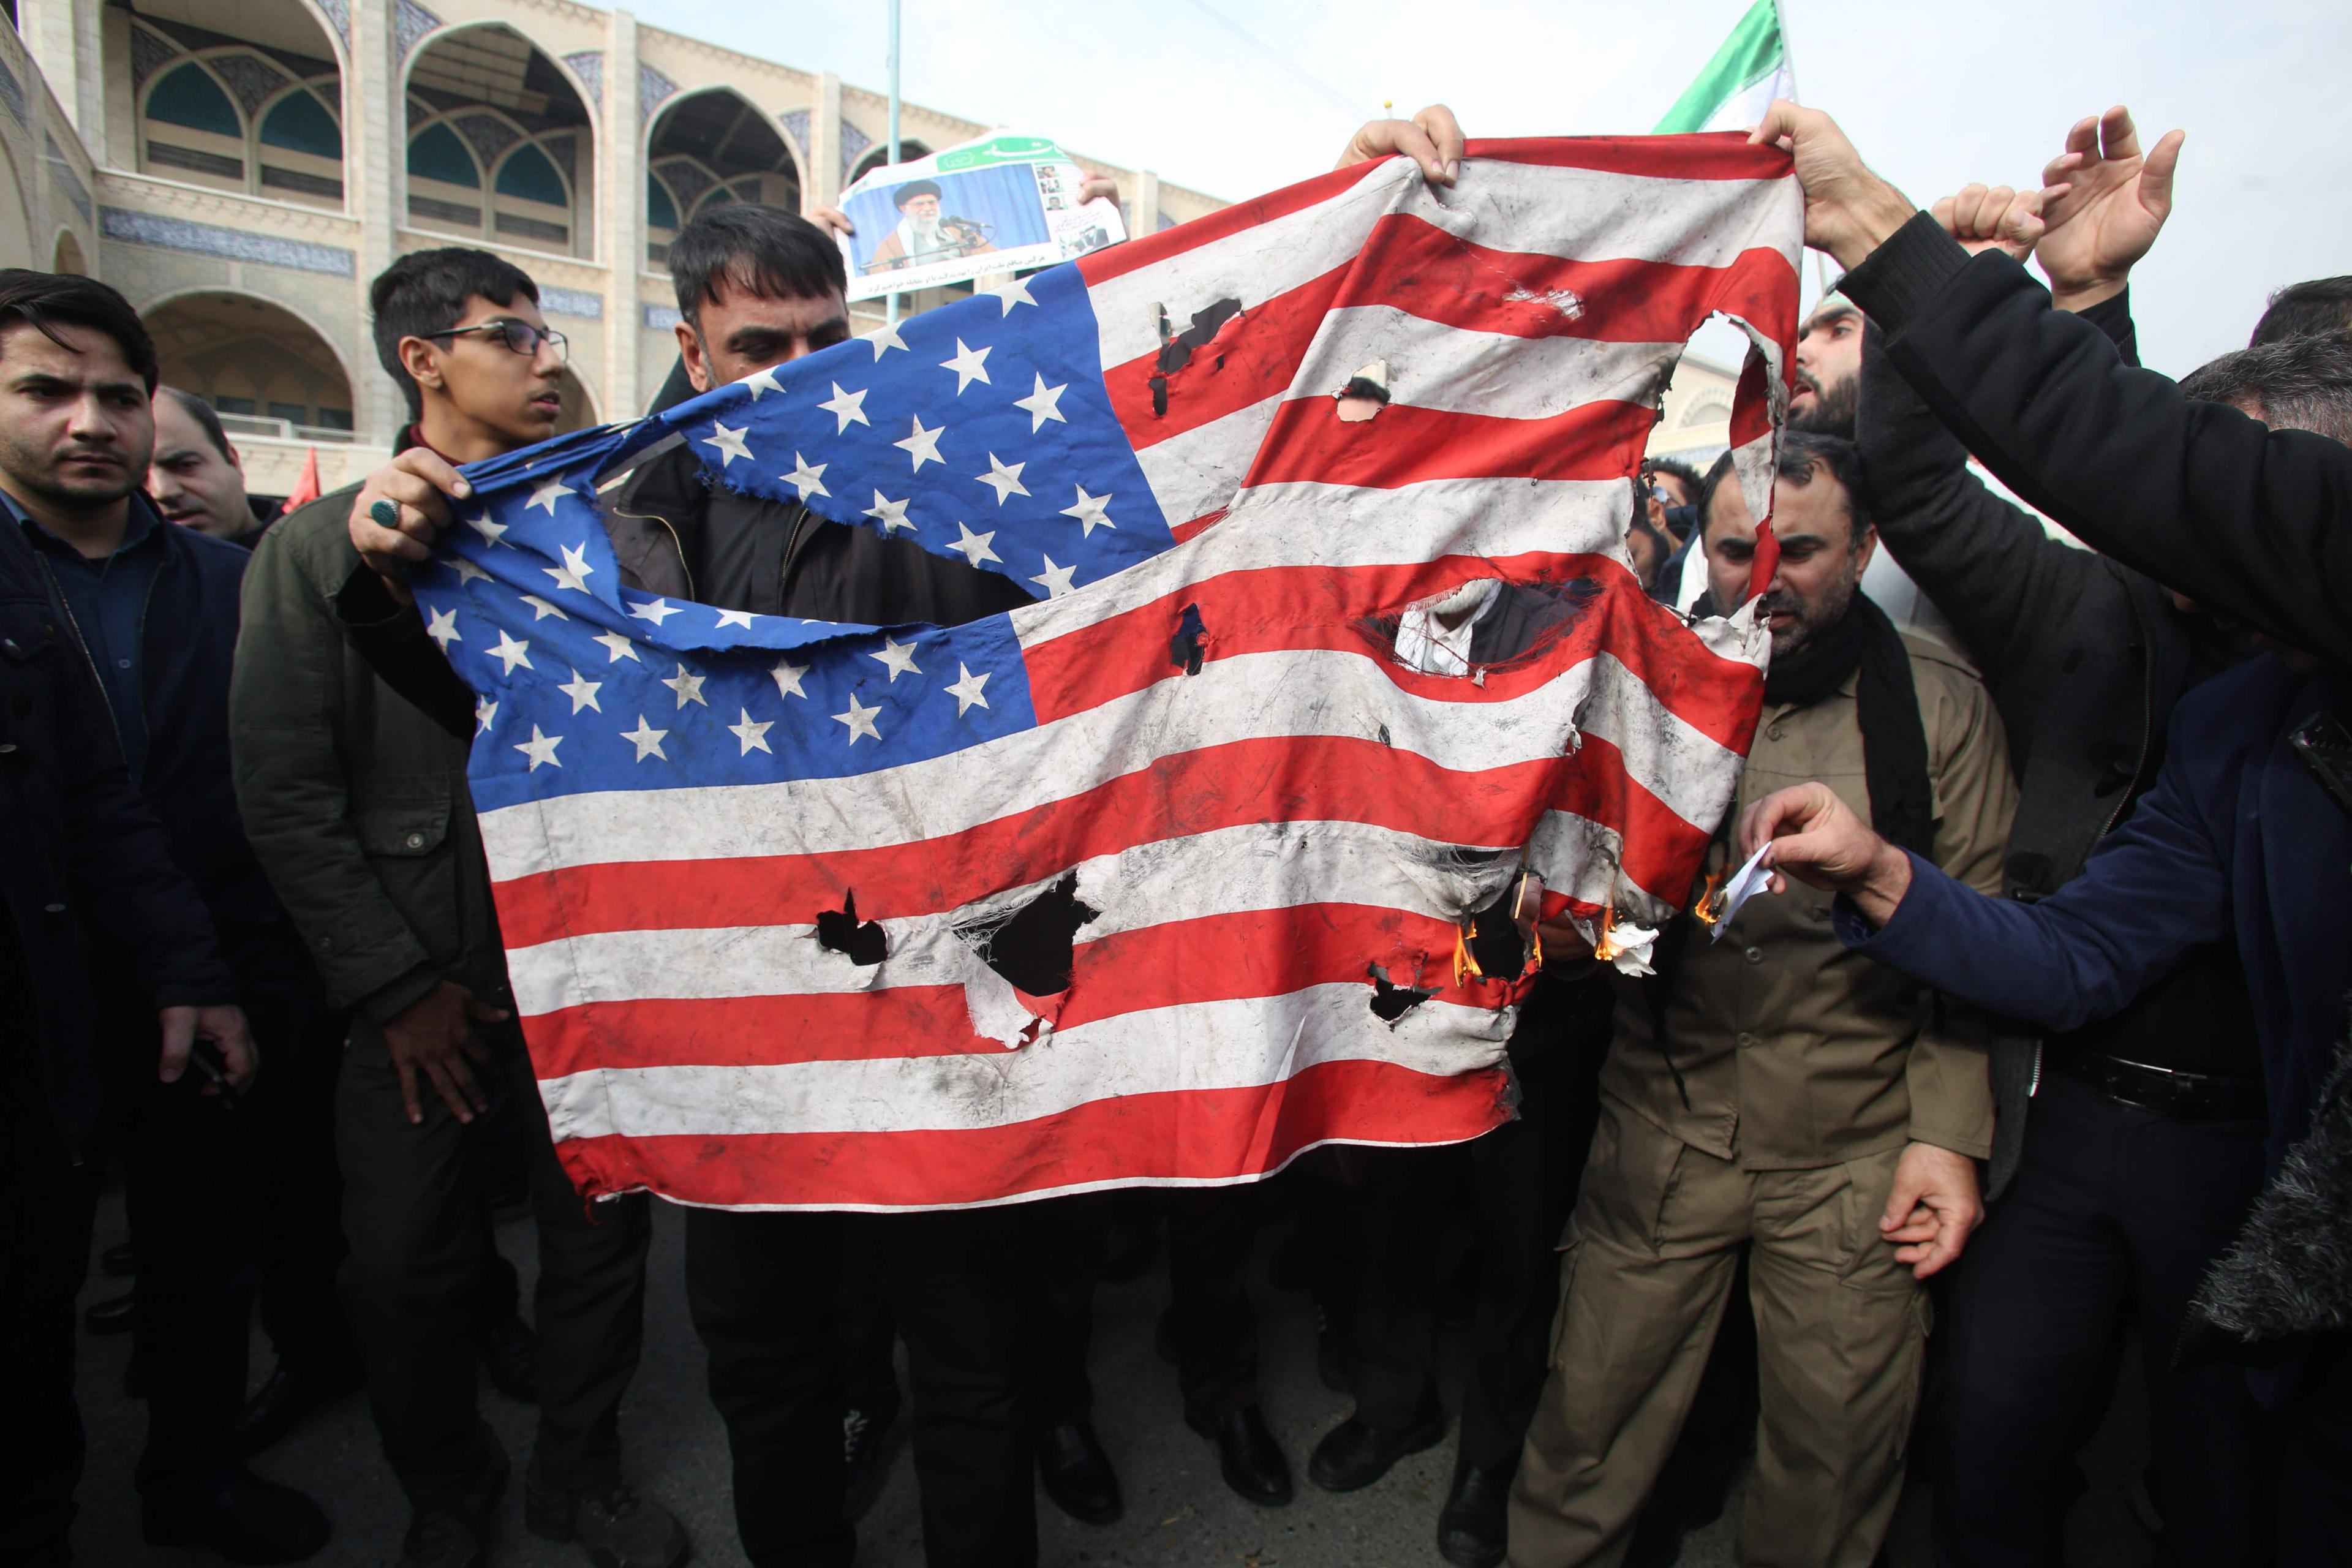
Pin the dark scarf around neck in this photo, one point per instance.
(1894, 740)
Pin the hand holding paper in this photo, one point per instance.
(1816, 837)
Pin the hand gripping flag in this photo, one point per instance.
(1323, 498)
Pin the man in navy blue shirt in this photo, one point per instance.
(150, 609)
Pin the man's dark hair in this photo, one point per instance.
(46, 300)
(2295, 383)
(1805, 454)
(1680, 469)
(761, 250)
(2306, 309)
(909, 191)
(198, 409)
(426, 292)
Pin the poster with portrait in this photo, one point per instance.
(1004, 202)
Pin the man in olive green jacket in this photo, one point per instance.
(360, 812)
(1775, 1094)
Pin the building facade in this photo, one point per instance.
(240, 169)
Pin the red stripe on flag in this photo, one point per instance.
(1602, 439)
(1707, 155)
(1148, 250)
(1183, 1135)
(1293, 779)
(1413, 266)
(1333, 607)
(1210, 958)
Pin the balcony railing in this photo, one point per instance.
(257, 425)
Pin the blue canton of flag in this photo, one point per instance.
(979, 429)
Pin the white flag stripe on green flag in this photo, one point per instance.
(1740, 83)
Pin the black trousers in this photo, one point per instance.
(303, 1225)
(763, 1289)
(2113, 1209)
(1061, 1242)
(197, 1169)
(2315, 1513)
(46, 1200)
(1210, 1233)
(1522, 1178)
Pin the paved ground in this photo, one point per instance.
(1178, 1514)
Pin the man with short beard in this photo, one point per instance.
(1766, 1094)
(1829, 370)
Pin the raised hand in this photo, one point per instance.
(1988, 220)
(1432, 139)
(413, 491)
(1848, 209)
(2103, 204)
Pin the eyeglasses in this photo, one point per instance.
(519, 336)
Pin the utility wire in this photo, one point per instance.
(1340, 100)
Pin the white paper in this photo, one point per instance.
(1750, 879)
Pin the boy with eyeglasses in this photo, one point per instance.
(361, 816)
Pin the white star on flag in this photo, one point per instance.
(969, 366)
(923, 445)
(486, 713)
(966, 690)
(859, 720)
(976, 545)
(1014, 292)
(646, 739)
(1055, 579)
(657, 610)
(788, 678)
(890, 513)
(491, 530)
(582, 692)
(442, 627)
(753, 736)
(467, 570)
(687, 687)
(885, 338)
(807, 480)
(617, 646)
(1089, 511)
(540, 609)
(540, 749)
(510, 652)
(848, 407)
(899, 657)
(734, 618)
(546, 497)
(758, 381)
(574, 573)
(729, 442)
(1005, 479)
(1042, 405)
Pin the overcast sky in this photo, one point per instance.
(1935, 96)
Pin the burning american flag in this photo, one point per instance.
(1324, 501)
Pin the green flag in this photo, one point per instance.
(1740, 83)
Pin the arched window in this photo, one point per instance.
(444, 184)
(909, 150)
(661, 211)
(533, 203)
(284, 143)
(302, 147)
(195, 129)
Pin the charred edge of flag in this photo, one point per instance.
(1190, 644)
(1176, 349)
(1034, 949)
(840, 931)
(1390, 1000)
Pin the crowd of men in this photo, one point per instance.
(2046, 1032)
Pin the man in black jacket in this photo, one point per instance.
(2200, 495)
(760, 286)
(82, 853)
(2085, 658)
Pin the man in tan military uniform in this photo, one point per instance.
(1820, 1110)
